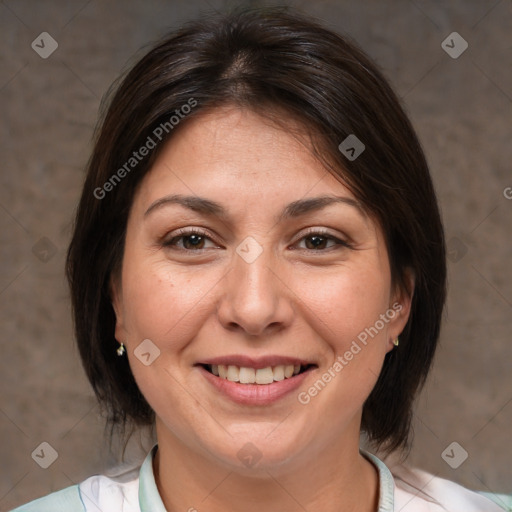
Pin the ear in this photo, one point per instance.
(116, 296)
(400, 303)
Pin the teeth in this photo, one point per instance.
(223, 371)
(279, 373)
(264, 375)
(233, 373)
(246, 375)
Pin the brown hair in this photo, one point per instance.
(263, 59)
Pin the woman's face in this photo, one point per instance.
(272, 281)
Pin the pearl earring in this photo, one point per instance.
(121, 350)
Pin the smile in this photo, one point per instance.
(248, 381)
(262, 376)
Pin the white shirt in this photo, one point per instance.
(404, 490)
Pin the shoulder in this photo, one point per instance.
(101, 492)
(98, 492)
(417, 490)
(65, 500)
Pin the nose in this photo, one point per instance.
(255, 298)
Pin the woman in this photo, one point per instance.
(258, 271)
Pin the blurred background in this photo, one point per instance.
(457, 89)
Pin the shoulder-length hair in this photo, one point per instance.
(269, 60)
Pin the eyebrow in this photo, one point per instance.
(211, 208)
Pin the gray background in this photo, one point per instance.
(462, 109)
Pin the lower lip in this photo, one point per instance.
(255, 394)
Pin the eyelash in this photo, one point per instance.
(184, 233)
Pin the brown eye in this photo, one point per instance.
(319, 241)
(191, 241)
(316, 242)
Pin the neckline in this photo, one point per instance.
(150, 500)
(386, 482)
(149, 497)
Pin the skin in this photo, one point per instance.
(293, 300)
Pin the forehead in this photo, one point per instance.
(231, 153)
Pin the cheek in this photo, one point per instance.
(162, 304)
(346, 303)
(163, 307)
(346, 310)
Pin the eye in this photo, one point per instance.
(192, 240)
(195, 240)
(317, 241)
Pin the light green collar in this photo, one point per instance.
(149, 498)
(386, 483)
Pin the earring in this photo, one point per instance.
(396, 342)
(121, 350)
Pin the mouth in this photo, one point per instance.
(260, 376)
(262, 381)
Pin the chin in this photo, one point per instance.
(256, 448)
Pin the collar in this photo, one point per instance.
(386, 483)
(150, 500)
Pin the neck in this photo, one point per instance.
(338, 479)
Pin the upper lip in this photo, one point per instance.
(256, 362)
